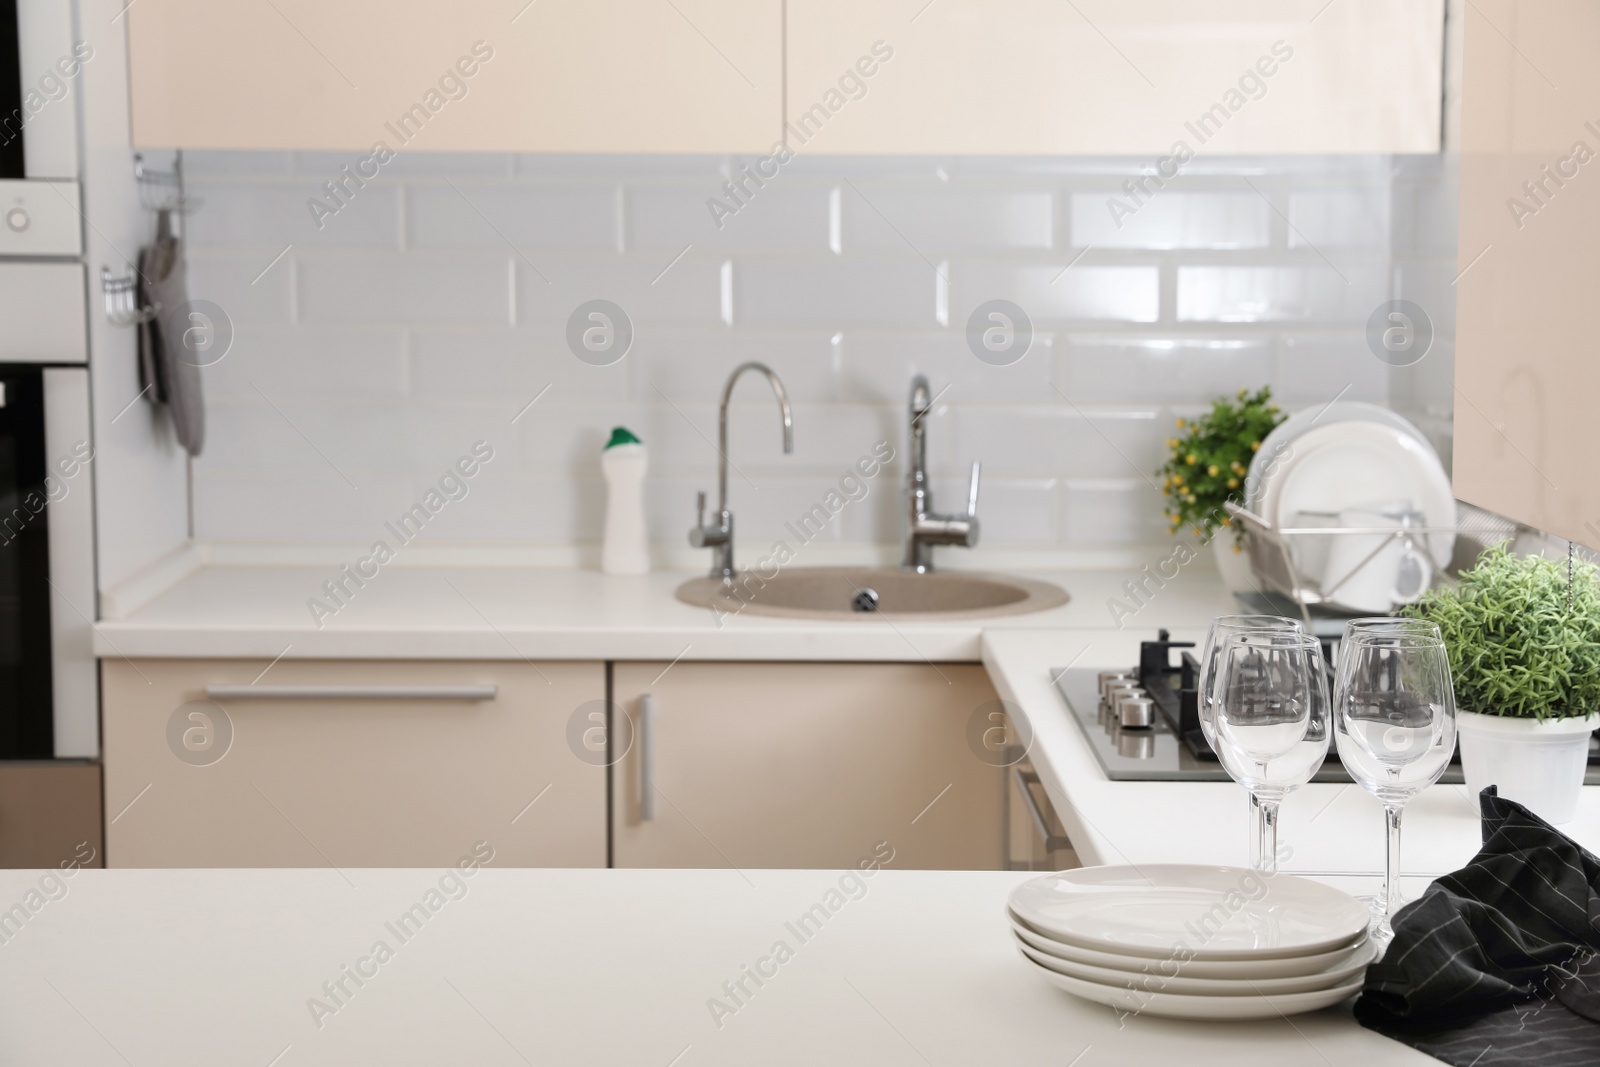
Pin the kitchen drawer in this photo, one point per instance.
(348, 764)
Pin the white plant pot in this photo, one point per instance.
(1233, 567)
(1538, 764)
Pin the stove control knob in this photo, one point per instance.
(17, 220)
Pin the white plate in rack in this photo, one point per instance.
(1209, 913)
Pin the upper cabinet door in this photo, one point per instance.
(1527, 317)
(468, 75)
(1114, 76)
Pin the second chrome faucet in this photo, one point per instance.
(924, 528)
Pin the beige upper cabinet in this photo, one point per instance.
(468, 75)
(1526, 373)
(1114, 76)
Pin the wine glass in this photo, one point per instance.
(1395, 728)
(1272, 719)
(1205, 698)
(1385, 624)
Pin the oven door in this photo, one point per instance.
(12, 163)
(27, 728)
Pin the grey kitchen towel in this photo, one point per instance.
(1499, 962)
(172, 379)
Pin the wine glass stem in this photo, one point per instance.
(1257, 828)
(1391, 862)
(1269, 836)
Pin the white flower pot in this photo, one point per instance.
(1234, 567)
(1538, 764)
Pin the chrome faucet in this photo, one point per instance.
(719, 537)
(925, 528)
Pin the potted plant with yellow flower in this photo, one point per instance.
(1207, 466)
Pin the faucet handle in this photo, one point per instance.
(972, 491)
(700, 508)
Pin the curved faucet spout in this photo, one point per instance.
(722, 423)
(718, 535)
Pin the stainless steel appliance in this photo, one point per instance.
(50, 796)
(1173, 747)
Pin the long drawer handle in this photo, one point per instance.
(647, 758)
(1052, 842)
(352, 692)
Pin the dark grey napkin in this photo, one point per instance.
(1499, 962)
(165, 366)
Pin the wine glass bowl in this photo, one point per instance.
(1271, 719)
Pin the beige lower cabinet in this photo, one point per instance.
(350, 764)
(805, 765)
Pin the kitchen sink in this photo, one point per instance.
(865, 593)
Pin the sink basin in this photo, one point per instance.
(843, 592)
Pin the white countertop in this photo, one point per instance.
(1333, 829)
(502, 612)
(557, 966)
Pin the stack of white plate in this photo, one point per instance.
(1193, 942)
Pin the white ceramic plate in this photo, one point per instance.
(1182, 1006)
(1163, 979)
(1286, 967)
(1211, 913)
(1358, 465)
(1308, 419)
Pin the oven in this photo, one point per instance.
(50, 792)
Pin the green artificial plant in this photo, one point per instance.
(1524, 641)
(1209, 462)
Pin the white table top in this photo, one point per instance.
(555, 967)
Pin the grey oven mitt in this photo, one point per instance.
(173, 379)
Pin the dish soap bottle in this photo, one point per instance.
(623, 463)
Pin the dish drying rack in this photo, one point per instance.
(1272, 558)
(159, 190)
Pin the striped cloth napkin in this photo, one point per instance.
(1499, 962)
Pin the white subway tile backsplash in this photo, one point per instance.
(691, 366)
(835, 294)
(783, 218)
(1171, 219)
(271, 215)
(1318, 369)
(1111, 511)
(1056, 292)
(1346, 218)
(655, 292)
(405, 289)
(1100, 369)
(1313, 292)
(294, 506)
(942, 221)
(1060, 441)
(298, 364)
(249, 287)
(877, 367)
(432, 309)
(515, 364)
(525, 220)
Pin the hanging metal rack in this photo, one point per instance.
(159, 190)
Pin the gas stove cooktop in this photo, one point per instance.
(1173, 748)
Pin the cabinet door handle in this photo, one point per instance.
(352, 692)
(1025, 779)
(647, 758)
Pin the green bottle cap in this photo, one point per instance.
(621, 436)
